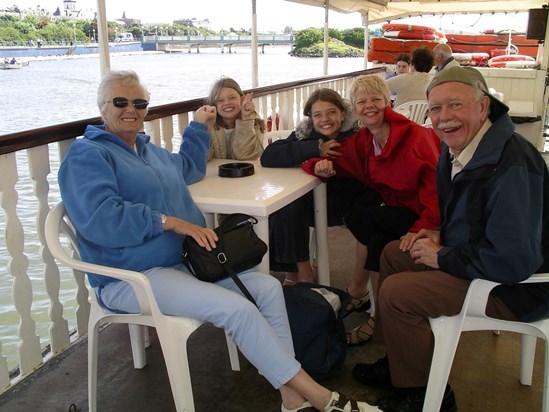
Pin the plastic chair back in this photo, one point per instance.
(415, 110)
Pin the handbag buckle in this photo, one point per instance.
(221, 257)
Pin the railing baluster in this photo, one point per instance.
(29, 351)
(39, 167)
(166, 124)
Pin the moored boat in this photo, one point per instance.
(12, 66)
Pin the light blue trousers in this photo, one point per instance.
(263, 336)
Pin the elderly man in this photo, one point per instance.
(443, 57)
(493, 187)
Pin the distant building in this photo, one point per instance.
(70, 9)
(126, 22)
(204, 24)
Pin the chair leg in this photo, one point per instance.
(147, 337)
(93, 338)
(233, 354)
(545, 405)
(137, 339)
(173, 339)
(447, 331)
(527, 354)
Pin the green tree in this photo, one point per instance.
(307, 38)
(10, 35)
(335, 34)
(354, 37)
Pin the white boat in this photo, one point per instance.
(12, 66)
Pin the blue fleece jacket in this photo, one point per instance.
(115, 196)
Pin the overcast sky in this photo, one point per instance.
(272, 15)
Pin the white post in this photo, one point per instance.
(103, 37)
(366, 38)
(326, 37)
(255, 77)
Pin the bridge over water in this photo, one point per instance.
(174, 44)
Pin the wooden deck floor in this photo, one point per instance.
(484, 376)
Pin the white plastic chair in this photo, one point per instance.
(275, 135)
(415, 110)
(172, 331)
(447, 330)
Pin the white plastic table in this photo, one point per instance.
(259, 195)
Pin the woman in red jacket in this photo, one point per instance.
(396, 158)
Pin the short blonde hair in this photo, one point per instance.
(371, 84)
(124, 77)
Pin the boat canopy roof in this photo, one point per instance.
(381, 11)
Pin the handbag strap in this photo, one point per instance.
(227, 267)
(239, 283)
(230, 270)
(231, 273)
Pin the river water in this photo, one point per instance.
(56, 91)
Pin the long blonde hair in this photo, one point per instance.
(214, 92)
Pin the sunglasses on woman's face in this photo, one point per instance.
(122, 102)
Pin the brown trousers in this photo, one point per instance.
(408, 295)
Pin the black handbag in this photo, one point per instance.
(238, 248)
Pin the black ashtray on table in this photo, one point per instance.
(236, 169)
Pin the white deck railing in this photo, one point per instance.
(49, 303)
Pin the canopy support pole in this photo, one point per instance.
(255, 77)
(103, 40)
(326, 36)
(366, 38)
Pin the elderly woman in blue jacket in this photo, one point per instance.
(129, 202)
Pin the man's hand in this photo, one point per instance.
(425, 251)
(408, 240)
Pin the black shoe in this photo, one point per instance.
(373, 374)
(411, 400)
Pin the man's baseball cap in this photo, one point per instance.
(472, 77)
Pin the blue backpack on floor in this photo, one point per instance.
(318, 333)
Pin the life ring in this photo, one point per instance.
(515, 61)
(471, 59)
(390, 27)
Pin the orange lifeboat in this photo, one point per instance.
(409, 32)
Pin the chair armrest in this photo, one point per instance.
(479, 290)
(55, 224)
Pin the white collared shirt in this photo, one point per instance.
(459, 162)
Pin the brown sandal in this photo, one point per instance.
(358, 336)
(361, 304)
(340, 403)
